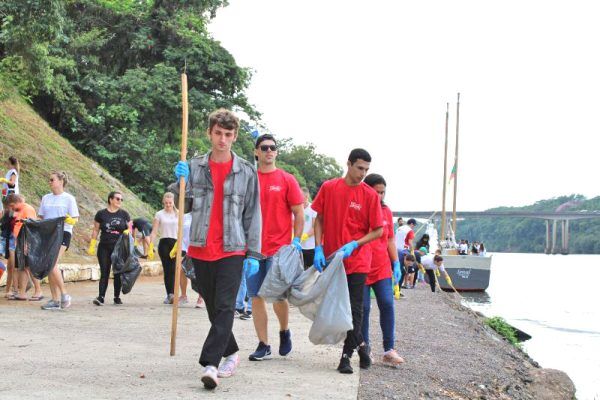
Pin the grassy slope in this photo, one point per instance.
(40, 149)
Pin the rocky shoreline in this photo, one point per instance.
(451, 354)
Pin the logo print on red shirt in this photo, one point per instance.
(356, 206)
(275, 188)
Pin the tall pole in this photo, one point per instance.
(181, 205)
(455, 166)
(443, 230)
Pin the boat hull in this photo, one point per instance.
(468, 273)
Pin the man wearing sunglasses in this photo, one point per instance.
(222, 195)
(280, 199)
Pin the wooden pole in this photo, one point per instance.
(443, 230)
(181, 206)
(455, 167)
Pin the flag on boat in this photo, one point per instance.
(452, 173)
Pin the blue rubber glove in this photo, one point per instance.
(319, 261)
(348, 248)
(296, 243)
(182, 169)
(396, 268)
(251, 266)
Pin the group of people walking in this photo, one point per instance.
(238, 216)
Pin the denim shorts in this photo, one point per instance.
(12, 245)
(254, 282)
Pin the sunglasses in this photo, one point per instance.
(267, 147)
(118, 198)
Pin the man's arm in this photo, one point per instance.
(298, 211)
(251, 217)
(369, 237)
(318, 229)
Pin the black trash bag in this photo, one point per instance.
(188, 269)
(38, 245)
(125, 262)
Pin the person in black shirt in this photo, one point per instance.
(145, 229)
(110, 222)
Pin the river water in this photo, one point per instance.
(555, 299)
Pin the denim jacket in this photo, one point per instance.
(242, 219)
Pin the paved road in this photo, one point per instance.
(113, 352)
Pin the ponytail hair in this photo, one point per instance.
(15, 163)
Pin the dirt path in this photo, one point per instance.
(113, 352)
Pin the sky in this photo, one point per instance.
(378, 75)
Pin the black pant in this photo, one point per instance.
(309, 257)
(219, 282)
(431, 276)
(165, 245)
(356, 289)
(104, 252)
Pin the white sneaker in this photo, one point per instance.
(392, 359)
(210, 377)
(228, 367)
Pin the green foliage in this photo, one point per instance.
(314, 167)
(504, 329)
(528, 235)
(106, 75)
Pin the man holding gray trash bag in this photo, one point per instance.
(280, 198)
(348, 217)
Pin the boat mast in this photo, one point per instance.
(455, 167)
(443, 230)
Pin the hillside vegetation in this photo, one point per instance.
(24, 134)
(528, 235)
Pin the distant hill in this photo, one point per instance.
(527, 235)
(24, 134)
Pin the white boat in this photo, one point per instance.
(468, 273)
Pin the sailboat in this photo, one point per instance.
(468, 272)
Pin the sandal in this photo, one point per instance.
(36, 298)
(20, 298)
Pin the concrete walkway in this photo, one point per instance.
(113, 352)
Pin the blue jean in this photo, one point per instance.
(241, 297)
(384, 294)
(255, 281)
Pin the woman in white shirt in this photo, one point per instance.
(11, 180)
(166, 221)
(59, 204)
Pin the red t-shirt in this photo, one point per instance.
(381, 266)
(279, 191)
(348, 213)
(409, 236)
(214, 239)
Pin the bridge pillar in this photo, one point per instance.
(565, 237)
(554, 237)
(548, 248)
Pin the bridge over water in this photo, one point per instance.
(552, 220)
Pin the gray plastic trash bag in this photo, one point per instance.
(321, 297)
(125, 263)
(38, 245)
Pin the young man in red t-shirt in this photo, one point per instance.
(348, 217)
(280, 199)
(223, 196)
